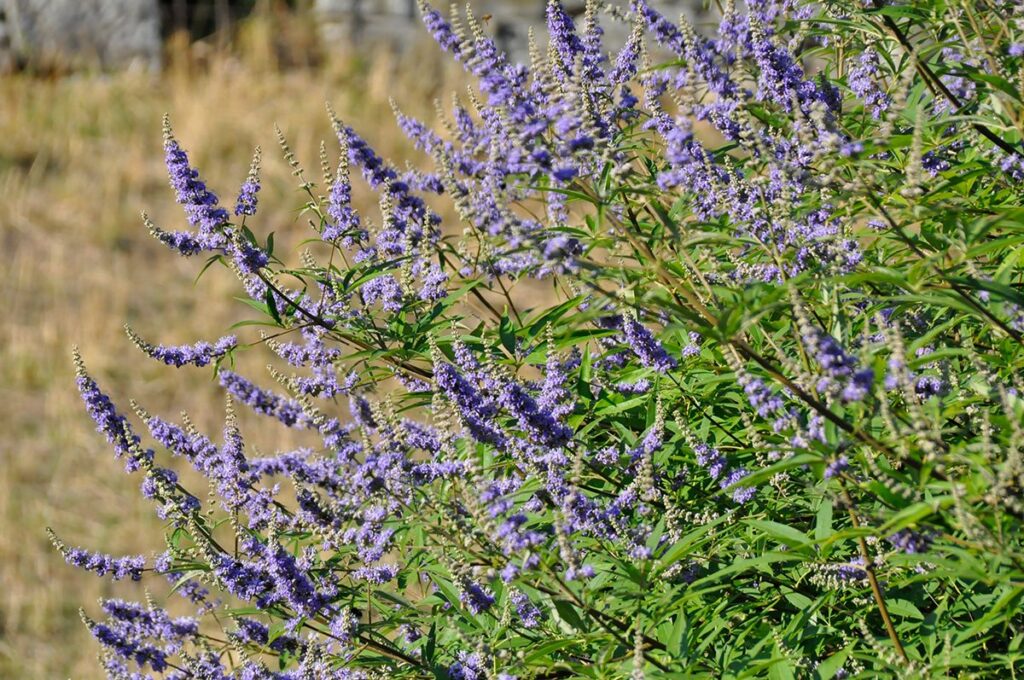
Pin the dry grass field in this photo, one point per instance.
(80, 157)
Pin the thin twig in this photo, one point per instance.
(869, 569)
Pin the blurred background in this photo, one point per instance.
(83, 86)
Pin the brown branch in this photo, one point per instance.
(869, 569)
(938, 88)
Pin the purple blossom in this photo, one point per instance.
(476, 410)
(439, 28)
(541, 425)
(929, 386)
(182, 241)
(199, 354)
(246, 204)
(574, 573)
(345, 223)
(962, 87)
(469, 666)
(863, 81)
(150, 622)
(200, 203)
(765, 400)
(638, 387)
(249, 257)
(836, 467)
(646, 347)
(711, 459)
(740, 494)
(780, 76)
(129, 566)
(141, 653)
(562, 34)
(261, 401)
(433, 285)
(852, 571)
(112, 424)
(476, 598)
(522, 459)
(384, 289)
(842, 371)
(692, 348)
(345, 625)
(911, 542)
(377, 574)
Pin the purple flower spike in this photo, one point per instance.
(199, 354)
(200, 203)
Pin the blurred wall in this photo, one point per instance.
(78, 33)
(128, 33)
(352, 22)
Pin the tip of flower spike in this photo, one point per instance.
(166, 126)
(137, 340)
(183, 242)
(289, 155)
(308, 260)
(230, 417)
(254, 165)
(441, 114)
(55, 541)
(76, 357)
(335, 120)
(89, 623)
(475, 28)
(142, 413)
(187, 424)
(282, 379)
(325, 164)
(533, 49)
(436, 356)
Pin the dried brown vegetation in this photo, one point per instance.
(80, 157)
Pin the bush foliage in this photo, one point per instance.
(713, 370)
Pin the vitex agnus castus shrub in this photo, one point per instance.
(763, 418)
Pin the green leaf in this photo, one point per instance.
(798, 600)
(780, 532)
(186, 577)
(567, 613)
(507, 334)
(828, 668)
(207, 265)
(823, 520)
(677, 637)
(543, 650)
(272, 307)
(903, 608)
(915, 513)
(781, 668)
(764, 474)
(431, 646)
(999, 83)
